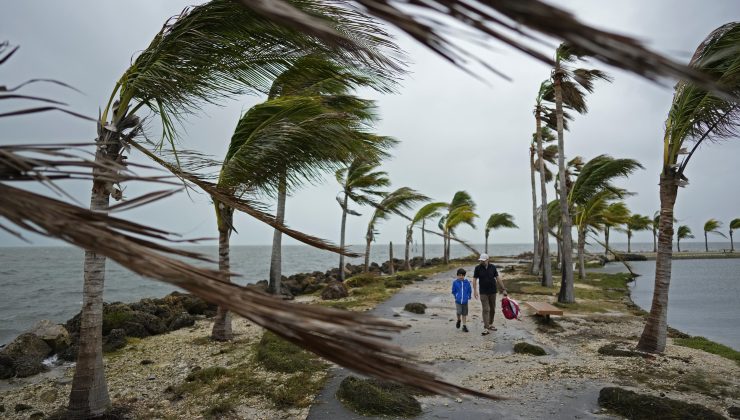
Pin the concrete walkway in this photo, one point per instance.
(462, 357)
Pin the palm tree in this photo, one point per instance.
(569, 88)
(635, 223)
(734, 224)
(654, 224)
(172, 78)
(316, 75)
(711, 226)
(395, 202)
(362, 183)
(299, 137)
(696, 115)
(498, 221)
(428, 211)
(614, 215)
(591, 195)
(683, 232)
(461, 210)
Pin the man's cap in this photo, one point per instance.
(483, 257)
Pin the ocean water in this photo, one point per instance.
(702, 299)
(46, 282)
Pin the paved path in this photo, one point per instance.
(458, 357)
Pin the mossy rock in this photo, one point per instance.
(415, 307)
(371, 397)
(362, 280)
(531, 349)
(734, 412)
(612, 349)
(278, 355)
(648, 407)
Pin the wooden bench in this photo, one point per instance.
(544, 308)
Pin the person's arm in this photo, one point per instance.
(475, 287)
(500, 283)
(470, 291)
(454, 284)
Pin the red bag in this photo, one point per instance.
(510, 308)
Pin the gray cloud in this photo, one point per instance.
(456, 132)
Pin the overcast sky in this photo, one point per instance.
(456, 132)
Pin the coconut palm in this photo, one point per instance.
(711, 226)
(428, 211)
(396, 203)
(613, 216)
(696, 115)
(734, 224)
(636, 223)
(172, 78)
(683, 232)
(498, 221)
(363, 184)
(570, 86)
(592, 193)
(654, 224)
(316, 75)
(461, 210)
(300, 138)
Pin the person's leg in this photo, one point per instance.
(465, 317)
(492, 312)
(458, 311)
(486, 309)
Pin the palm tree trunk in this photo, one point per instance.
(341, 236)
(445, 256)
(678, 244)
(391, 268)
(423, 245)
(567, 293)
(486, 247)
(732, 243)
(606, 241)
(629, 241)
(653, 337)
(655, 240)
(368, 241)
(535, 268)
(222, 322)
(407, 253)
(706, 242)
(547, 266)
(276, 272)
(581, 254)
(89, 394)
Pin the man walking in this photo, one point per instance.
(485, 280)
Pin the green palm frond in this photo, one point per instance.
(697, 114)
(615, 214)
(591, 213)
(461, 215)
(684, 232)
(637, 222)
(598, 174)
(500, 220)
(462, 198)
(362, 182)
(429, 211)
(396, 202)
(735, 224)
(712, 226)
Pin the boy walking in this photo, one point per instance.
(462, 290)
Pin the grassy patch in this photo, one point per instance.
(648, 407)
(362, 280)
(278, 355)
(372, 397)
(219, 409)
(709, 346)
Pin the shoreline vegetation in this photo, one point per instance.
(183, 373)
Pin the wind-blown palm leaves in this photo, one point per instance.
(426, 212)
(683, 232)
(569, 89)
(711, 226)
(363, 184)
(696, 115)
(734, 224)
(206, 54)
(484, 18)
(636, 223)
(395, 202)
(591, 195)
(461, 210)
(498, 221)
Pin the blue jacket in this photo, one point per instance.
(462, 290)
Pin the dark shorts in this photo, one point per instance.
(462, 308)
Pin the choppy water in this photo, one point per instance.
(702, 299)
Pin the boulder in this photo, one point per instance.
(26, 352)
(55, 335)
(334, 290)
(115, 340)
(7, 370)
(181, 321)
(415, 307)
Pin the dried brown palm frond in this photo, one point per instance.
(243, 204)
(354, 340)
(512, 22)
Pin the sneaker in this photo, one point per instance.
(465, 328)
(457, 324)
(485, 332)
